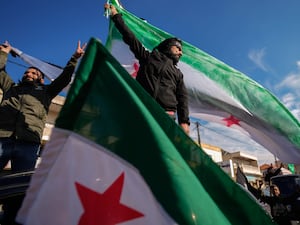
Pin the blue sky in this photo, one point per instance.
(259, 38)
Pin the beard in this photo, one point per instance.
(29, 82)
(175, 58)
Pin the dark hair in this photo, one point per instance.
(167, 43)
(33, 67)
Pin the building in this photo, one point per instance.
(247, 163)
(54, 110)
(213, 151)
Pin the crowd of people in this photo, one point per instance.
(282, 208)
(24, 105)
(280, 205)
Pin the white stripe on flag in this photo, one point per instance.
(50, 71)
(55, 199)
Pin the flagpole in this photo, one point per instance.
(107, 11)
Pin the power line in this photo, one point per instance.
(18, 64)
(197, 123)
(227, 139)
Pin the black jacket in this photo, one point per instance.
(157, 74)
(279, 207)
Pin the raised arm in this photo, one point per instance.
(5, 49)
(65, 77)
(128, 36)
(112, 8)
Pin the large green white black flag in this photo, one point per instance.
(219, 93)
(115, 157)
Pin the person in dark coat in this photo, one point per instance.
(158, 72)
(272, 172)
(279, 204)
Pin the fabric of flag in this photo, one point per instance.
(291, 167)
(51, 71)
(217, 92)
(241, 177)
(115, 157)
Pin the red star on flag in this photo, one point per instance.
(231, 120)
(105, 208)
(136, 69)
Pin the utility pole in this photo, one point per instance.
(198, 132)
(275, 160)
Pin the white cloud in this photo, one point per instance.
(291, 101)
(291, 81)
(296, 112)
(288, 100)
(298, 64)
(290, 91)
(257, 56)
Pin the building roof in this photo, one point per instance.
(211, 147)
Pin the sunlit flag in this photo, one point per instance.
(219, 93)
(115, 157)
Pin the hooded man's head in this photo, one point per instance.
(171, 47)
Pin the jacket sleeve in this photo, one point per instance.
(5, 79)
(130, 39)
(267, 199)
(63, 79)
(182, 98)
(3, 60)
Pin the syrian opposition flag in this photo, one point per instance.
(51, 71)
(219, 93)
(115, 157)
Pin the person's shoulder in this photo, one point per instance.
(159, 56)
(2, 53)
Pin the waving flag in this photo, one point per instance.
(116, 157)
(219, 93)
(51, 71)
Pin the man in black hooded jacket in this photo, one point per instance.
(158, 73)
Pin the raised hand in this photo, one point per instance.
(5, 47)
(80, 50)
